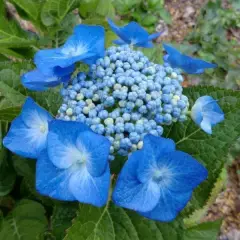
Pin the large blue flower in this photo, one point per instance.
(188, 64)
(28, 133)
(207, 113)
(158, 181)
(35, 80)
(75, 164)
(133, 34)
(85, 45)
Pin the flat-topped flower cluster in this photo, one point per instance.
(124, 96)
(119, 107)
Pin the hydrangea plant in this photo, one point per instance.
(116, 140)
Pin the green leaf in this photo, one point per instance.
(196, 217)
(13, 94)
(125, 6)
(165, 15)
(87, 6)
(11, 35)
(24, 167)
(28, 190)
(8, 113)
(66, 27)
(152, 4)
(27, 221)
(9, 52)
(155, 54)
(54, 11)
(210, 150)
(7, 202)
(9, 85)
(62, 217)
(149, 20)
(204, 231)
(31, 7)
(115, 223)
(7, 174)
(105, 8)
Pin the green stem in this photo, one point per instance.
(56, 41)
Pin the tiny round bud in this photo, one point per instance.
(69, 111)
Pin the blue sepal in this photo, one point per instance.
(190, 65)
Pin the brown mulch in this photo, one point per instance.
(227, 206)
(184, 14)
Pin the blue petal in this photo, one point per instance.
(206, 126)
(153, 149)
(24, 141)
(32, 80)
(118, 31)
(62, 72)
(154, 35)
(206, 113)
(194, 66)
(170, 50)
(51, 181)
(35, 80)
(134, 34)
(86, 45)
(170, 204)
(174, 56)
(34, 116)
(183, 174)
(188, 64)
(46, 60)
(204, 100)
(89, 189)
(131, 193)
(166, 57)
(119, 42)
(90, 38)
(213, 117)
(98, 147)
(197, 109)
(49, 60)
(28, 133)
(213, 107)
(62, 137)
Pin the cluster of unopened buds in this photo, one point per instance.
(118, 108)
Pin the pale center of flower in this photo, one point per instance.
(43, 128)
(83, 157)
(161, 175)
(74, 50)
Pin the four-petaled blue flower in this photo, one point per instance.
(188, 64)
(85, 45)
(75, 164)
(207, 113)
(35, 80)
(28, 133)
(157, 181)
(133, 34)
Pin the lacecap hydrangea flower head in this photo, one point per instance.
(117, 109)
